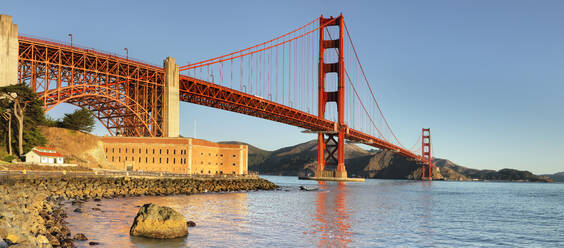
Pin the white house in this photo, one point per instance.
(44, 155)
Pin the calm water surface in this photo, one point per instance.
(377, 213)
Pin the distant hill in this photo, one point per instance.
(301, 159)
(557, 177)
(490, 175)
(256, 155)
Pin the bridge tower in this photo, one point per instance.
(331, 145)
(9, 51)
(426, 153)
(171, 99)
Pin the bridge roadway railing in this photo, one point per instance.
(111, 173)
(77, 47)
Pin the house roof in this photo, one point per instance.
(52, 152)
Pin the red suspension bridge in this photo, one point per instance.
(310, 77)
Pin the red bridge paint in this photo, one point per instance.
(127, 95)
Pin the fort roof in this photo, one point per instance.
(163, 140)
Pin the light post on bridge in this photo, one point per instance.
(70, 35)
(126, 53)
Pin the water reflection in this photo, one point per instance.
(424, 229)
(377, 213)
(331, 220)
(217, 216)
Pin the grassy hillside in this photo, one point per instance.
(79, 148)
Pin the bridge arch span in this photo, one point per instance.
(118, 113)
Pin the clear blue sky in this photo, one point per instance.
(486, 76)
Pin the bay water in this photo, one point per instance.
(376, 213)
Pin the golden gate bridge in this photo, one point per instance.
(310, 77)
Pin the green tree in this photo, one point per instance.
(80, 119)
(24, 105)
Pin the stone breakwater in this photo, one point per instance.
(31, 213)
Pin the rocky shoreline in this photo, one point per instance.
(31, 213)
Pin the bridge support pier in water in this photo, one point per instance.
(331, 145)
(426, 154)
(9, 51)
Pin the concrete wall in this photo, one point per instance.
(171, 108)
(9, 51)
(32, 157)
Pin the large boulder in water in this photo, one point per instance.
(153, 221)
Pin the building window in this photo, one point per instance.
(174, 151)
(202, 172)
(112, 158)
(106, 150)
(234, 155)
(132, 150)
(166, 151)
(119, 159)
(125, 158)
(167, 160)
(160, 160)
(119, 150)
(209, 154)
(233, 164)
(139, 159)
(139, 150)
(221, 155)
(145, 160)
(201, 162)
(174, 160)
(209, 172)
(153, 151)
(146, 150)
(221, 164)
(160, 151)
(125, 150)
(153, 160)
(201, 153)
(113, 150)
